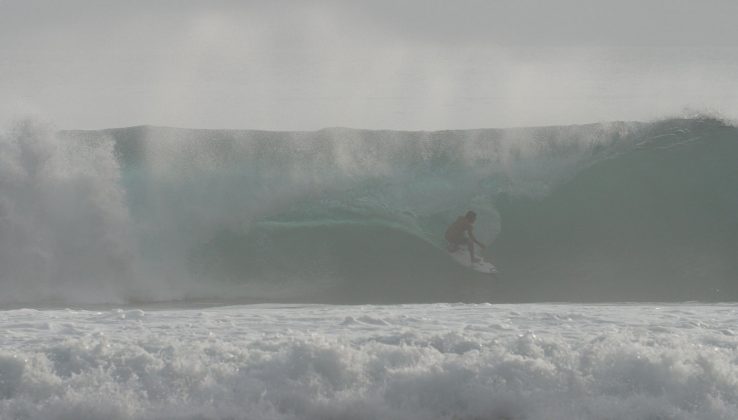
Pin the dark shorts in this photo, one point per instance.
(458, 240)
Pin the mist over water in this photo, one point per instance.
(64, 219)
(615, 211)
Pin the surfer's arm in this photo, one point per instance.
(474, 238)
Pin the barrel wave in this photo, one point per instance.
(601, 212)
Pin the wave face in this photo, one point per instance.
(617, 211)
(658, 222)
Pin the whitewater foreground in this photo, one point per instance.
(438, 361)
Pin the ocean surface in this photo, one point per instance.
(421, 361)
(166, 273)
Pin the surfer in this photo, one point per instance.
(460, 233)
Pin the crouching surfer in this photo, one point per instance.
(460, 233)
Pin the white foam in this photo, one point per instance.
(400, 362)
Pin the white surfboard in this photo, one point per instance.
(461, 256)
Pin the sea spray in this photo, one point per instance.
(64, 222)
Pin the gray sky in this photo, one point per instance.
(413, 64)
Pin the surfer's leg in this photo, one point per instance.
(470, 246)
(455, 242)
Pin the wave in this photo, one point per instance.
(612, 211)
(659, 222)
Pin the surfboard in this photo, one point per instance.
(461, 256)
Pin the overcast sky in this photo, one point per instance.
(413, 64)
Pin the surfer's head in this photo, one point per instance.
(471, 216)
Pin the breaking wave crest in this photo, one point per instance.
(617, 211)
